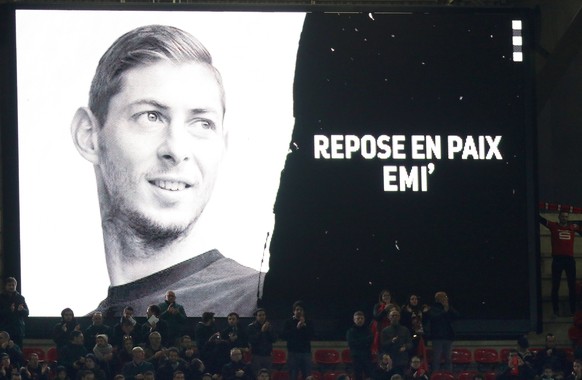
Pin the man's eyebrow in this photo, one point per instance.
(198, 111)
(150, 102)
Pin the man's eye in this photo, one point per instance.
(152, 116)
(204, 124)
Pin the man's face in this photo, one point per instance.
(160, 147)
(415, 363)
(171, 297)
(98, 319)
(577, 367)
(128, 313)
(298, 312)
(67, 316)
(261, 317)
(413, 300)
(155, 340)
(236, 355)
(394, 317)
(10, 287)
(138, 355)
(263, 376)
(563, 217)
(548, 372)
(386, 360)
(178, 376)
(232, 320)
(173, 356)
(550, 341)
(359, 320)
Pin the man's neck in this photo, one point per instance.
(129, 258)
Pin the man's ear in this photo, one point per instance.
(85, 130)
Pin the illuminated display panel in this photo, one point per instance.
(365, 150)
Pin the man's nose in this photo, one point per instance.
(176, 145)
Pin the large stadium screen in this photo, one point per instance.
(246, 158)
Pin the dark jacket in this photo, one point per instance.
(440, 322)
(261, 342)
(298, 339)
(359, 341)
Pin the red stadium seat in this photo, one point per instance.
(316, 375)
(487, 357)
(52, 354)
(442, 375)
(27, 351)
(279, 357)
(346, 356)
(466, 375)
(462, 356)
(332, 375)
(280, 375)
(327, 358)
(504, 354)
(490, 376)
(569, 354)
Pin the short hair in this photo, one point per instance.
(263, 370)
(11, 280)
(119, 377)
(297, 304)
(233, 313)
(5, 334)
(142, 46)
(207, 316)
(67, 310)
(257, 311)
(394, 377)
(196, 364)
(173, 349)
(359, 313)
(155, 309)
(154, 334)
(177, 373)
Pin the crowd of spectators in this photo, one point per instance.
(391, 347)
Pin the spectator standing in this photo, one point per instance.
(440, 322)
(13, 311)
(562, 236)
(174, 315)
(360, 338)
(261, 338)
(298, 332)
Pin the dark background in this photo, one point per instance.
(339, 238)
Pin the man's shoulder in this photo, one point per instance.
(209, 282)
